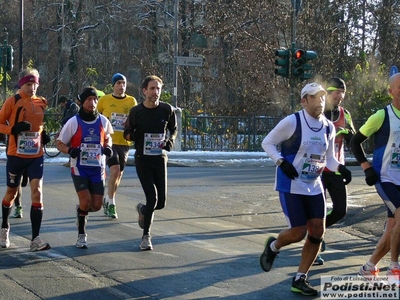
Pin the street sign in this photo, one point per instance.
(189, 61)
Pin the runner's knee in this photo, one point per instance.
(314, 240)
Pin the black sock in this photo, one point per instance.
(36, 220)
(6, 212)
(82, 221)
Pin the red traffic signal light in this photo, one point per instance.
(298, 61)
(298, 54)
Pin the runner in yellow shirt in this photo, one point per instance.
(116, 108)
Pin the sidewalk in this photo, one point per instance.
(185, 158)
(199, 158)
(211, 158)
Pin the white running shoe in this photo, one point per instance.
(394, 276)
(5, 237)
(82, 241)
(371, 275)
(146, 243)
(365, 272)
(38, 245)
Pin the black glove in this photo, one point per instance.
(20, 126)
(74, 152)
(45, 138)
(346, 174)
(371, 177)
(135, 135)
(289, 170)
(107, 151)
(168, 144)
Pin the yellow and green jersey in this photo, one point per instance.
(116, 109)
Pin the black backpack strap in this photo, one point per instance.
(17, 97)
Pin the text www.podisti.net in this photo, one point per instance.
(359, 287)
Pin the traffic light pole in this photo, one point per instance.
(292, 63)
(292, 79)
(292, 82)
(299, 68)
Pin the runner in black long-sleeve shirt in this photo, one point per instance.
(152, 126)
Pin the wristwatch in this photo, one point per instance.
(279, 161)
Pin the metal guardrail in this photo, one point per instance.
(220, 133)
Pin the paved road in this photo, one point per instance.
(207, 241)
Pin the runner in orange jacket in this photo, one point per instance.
(21, 118)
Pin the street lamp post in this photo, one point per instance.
(177, 145)
(21, 33)
(175, 66)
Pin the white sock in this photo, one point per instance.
(298, 275)
(369, 266)
(111, 201)
(394, 265)
(273, 248)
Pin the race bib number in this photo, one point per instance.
(312, 167)
(90, 155)
(153, 143)
(117, 121)
(395, 161)
(29, 143)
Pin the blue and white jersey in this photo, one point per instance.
(386, 159)
(308, 144)
(89, 137)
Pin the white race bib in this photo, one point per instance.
(29, 143)
(117, 121)
(312, 167)
(395, 160)
(90, 155)
(153, 143)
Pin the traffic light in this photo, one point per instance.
(300, 67)
(10, 59)
(298, 62)
(308, 55)
(282, 62)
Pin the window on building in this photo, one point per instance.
(134, 76)
(134, 45)
(198, 40)
(44, 42)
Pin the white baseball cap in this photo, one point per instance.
(312, 89)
